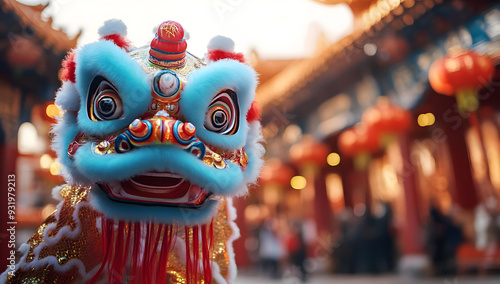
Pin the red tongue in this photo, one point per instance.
(157, 181)
(146, 190)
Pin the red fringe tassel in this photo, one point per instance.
(139, 252)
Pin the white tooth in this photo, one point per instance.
(168, 175)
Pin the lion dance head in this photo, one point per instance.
(154, 143)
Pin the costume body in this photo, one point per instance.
(154, 143)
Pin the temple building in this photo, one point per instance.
(31, 52)
(428, 157)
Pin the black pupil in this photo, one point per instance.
(106, 106)
(219, 118)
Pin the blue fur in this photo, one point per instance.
(65, 131)
(136, 212)
(106, 59)
(255, 151)
(87, 168)
(203, 84)
(118, 167)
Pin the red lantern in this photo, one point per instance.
(348, 142)
(274, 171)
(393, 49)
(460, 75)
(309, 152)
(23, 52)
(386, 118)
(359, 140)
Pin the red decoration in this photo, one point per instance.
(358, 140)
(275, 172)
(253, 113)
(168, 48)
(78, 142)
(309, 152)
(460, 74)
(455, 72)
(218, 54)
(69, 67)
(23, 52)
(386, 117)
(119, 40)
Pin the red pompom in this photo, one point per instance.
(119, 40)
(253, 113)
(218, 54)
(68, 67)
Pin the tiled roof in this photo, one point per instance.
(31, 16)
(289, 82)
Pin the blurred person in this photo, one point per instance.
(367, 244)
(387, 247)
(345, 250)
(482, 223)
(443, 239)
(296, 247)
(270, 248)
(366, 249)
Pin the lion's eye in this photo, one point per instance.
(223, 113)
(103, 103)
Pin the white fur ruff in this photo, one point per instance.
(113, 26)
(221, 43)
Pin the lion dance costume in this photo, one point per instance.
(154, 143)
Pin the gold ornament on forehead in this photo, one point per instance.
(170, 29)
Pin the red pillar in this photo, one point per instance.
(465, 193)
(322, 210)
(241, 255)
(347, 175)
(410, 231)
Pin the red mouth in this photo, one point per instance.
(156, 188)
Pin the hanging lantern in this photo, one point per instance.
(359, 142)
(460, 75)
(275, 172)
(387, 119)
(393, 49)
(309, 152)
(23, 52)
(348, 142)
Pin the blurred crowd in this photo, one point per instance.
(367, 243)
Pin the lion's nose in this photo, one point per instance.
(160, 129)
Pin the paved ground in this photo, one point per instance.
(247, 278)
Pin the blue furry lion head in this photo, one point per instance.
(157, 133)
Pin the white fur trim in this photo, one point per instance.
(48, 241)
(56, 192)
(255, 151)
(231, 214)
(235, 234)
(222, 43)
(254, 145)
(219, 279)
(67, 97)
(113, 26)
